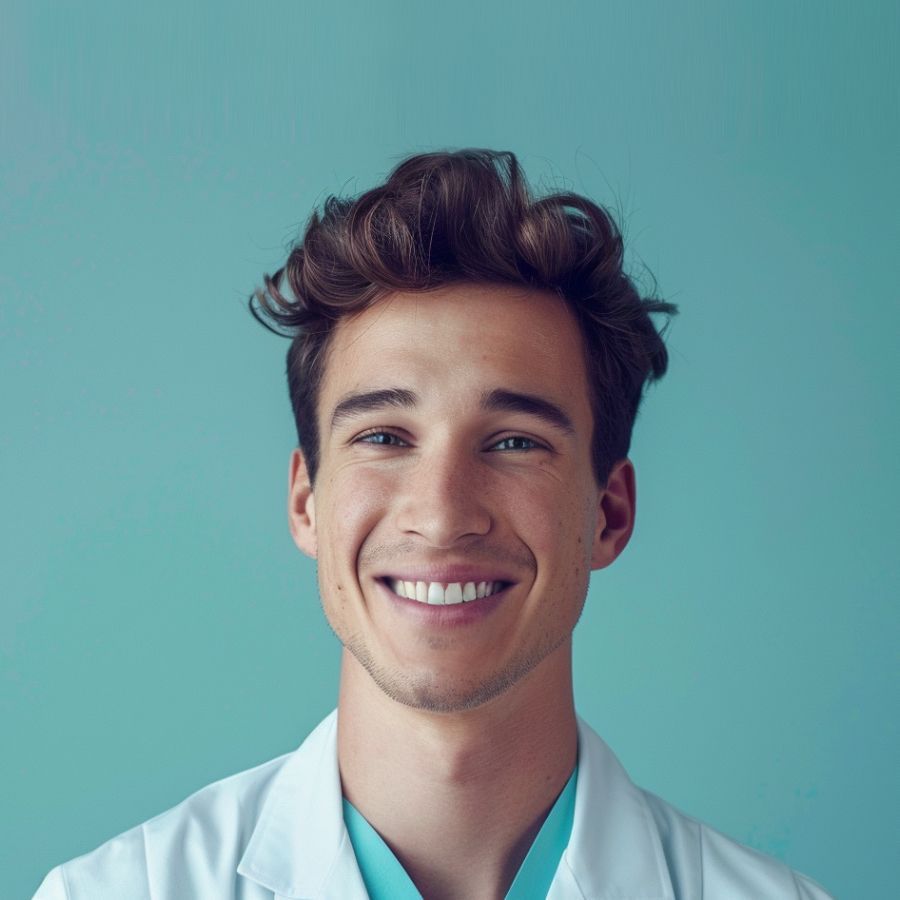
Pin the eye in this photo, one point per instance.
(380, 438)
(517, 442)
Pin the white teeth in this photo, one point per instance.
(437, 594)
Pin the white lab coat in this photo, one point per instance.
(277, 831)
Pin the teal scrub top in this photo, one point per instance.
(386, 879)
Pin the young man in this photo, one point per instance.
(465, 370)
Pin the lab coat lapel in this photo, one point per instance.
(300, 849)
(615, 850)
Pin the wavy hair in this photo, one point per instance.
(467, 216)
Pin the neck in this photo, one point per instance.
(459, 797)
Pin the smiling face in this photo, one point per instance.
(455, 515)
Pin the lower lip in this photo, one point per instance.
(440, 615)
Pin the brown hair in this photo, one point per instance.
(467, 216)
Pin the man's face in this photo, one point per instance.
(455, 435)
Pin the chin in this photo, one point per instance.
(435, 692)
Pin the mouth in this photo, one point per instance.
(442, 593)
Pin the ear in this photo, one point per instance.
(301, 506)
(615, 515)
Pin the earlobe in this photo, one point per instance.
(301, 506)
(615, 515)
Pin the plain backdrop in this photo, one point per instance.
(160, 630)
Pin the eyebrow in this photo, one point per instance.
(497, 400)
(368, 401)
(512, 401)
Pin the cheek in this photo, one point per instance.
(560, 532)
(558, 524)
(350, 508)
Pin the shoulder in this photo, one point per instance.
(181, 852)
(709, 864)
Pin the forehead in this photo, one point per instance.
(461, 338)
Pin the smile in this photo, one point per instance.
(436, 593)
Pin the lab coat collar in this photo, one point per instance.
(615, 850)
(300, 848)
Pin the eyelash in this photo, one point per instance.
(365, 438)
(393, 440)
(518, 437)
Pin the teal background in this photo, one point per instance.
(159, 629)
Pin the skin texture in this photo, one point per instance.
(456, 724)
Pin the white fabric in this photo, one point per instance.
(277, 831)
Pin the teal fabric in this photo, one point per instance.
(533, 879)
(386, 879)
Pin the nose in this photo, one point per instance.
(444, 498)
